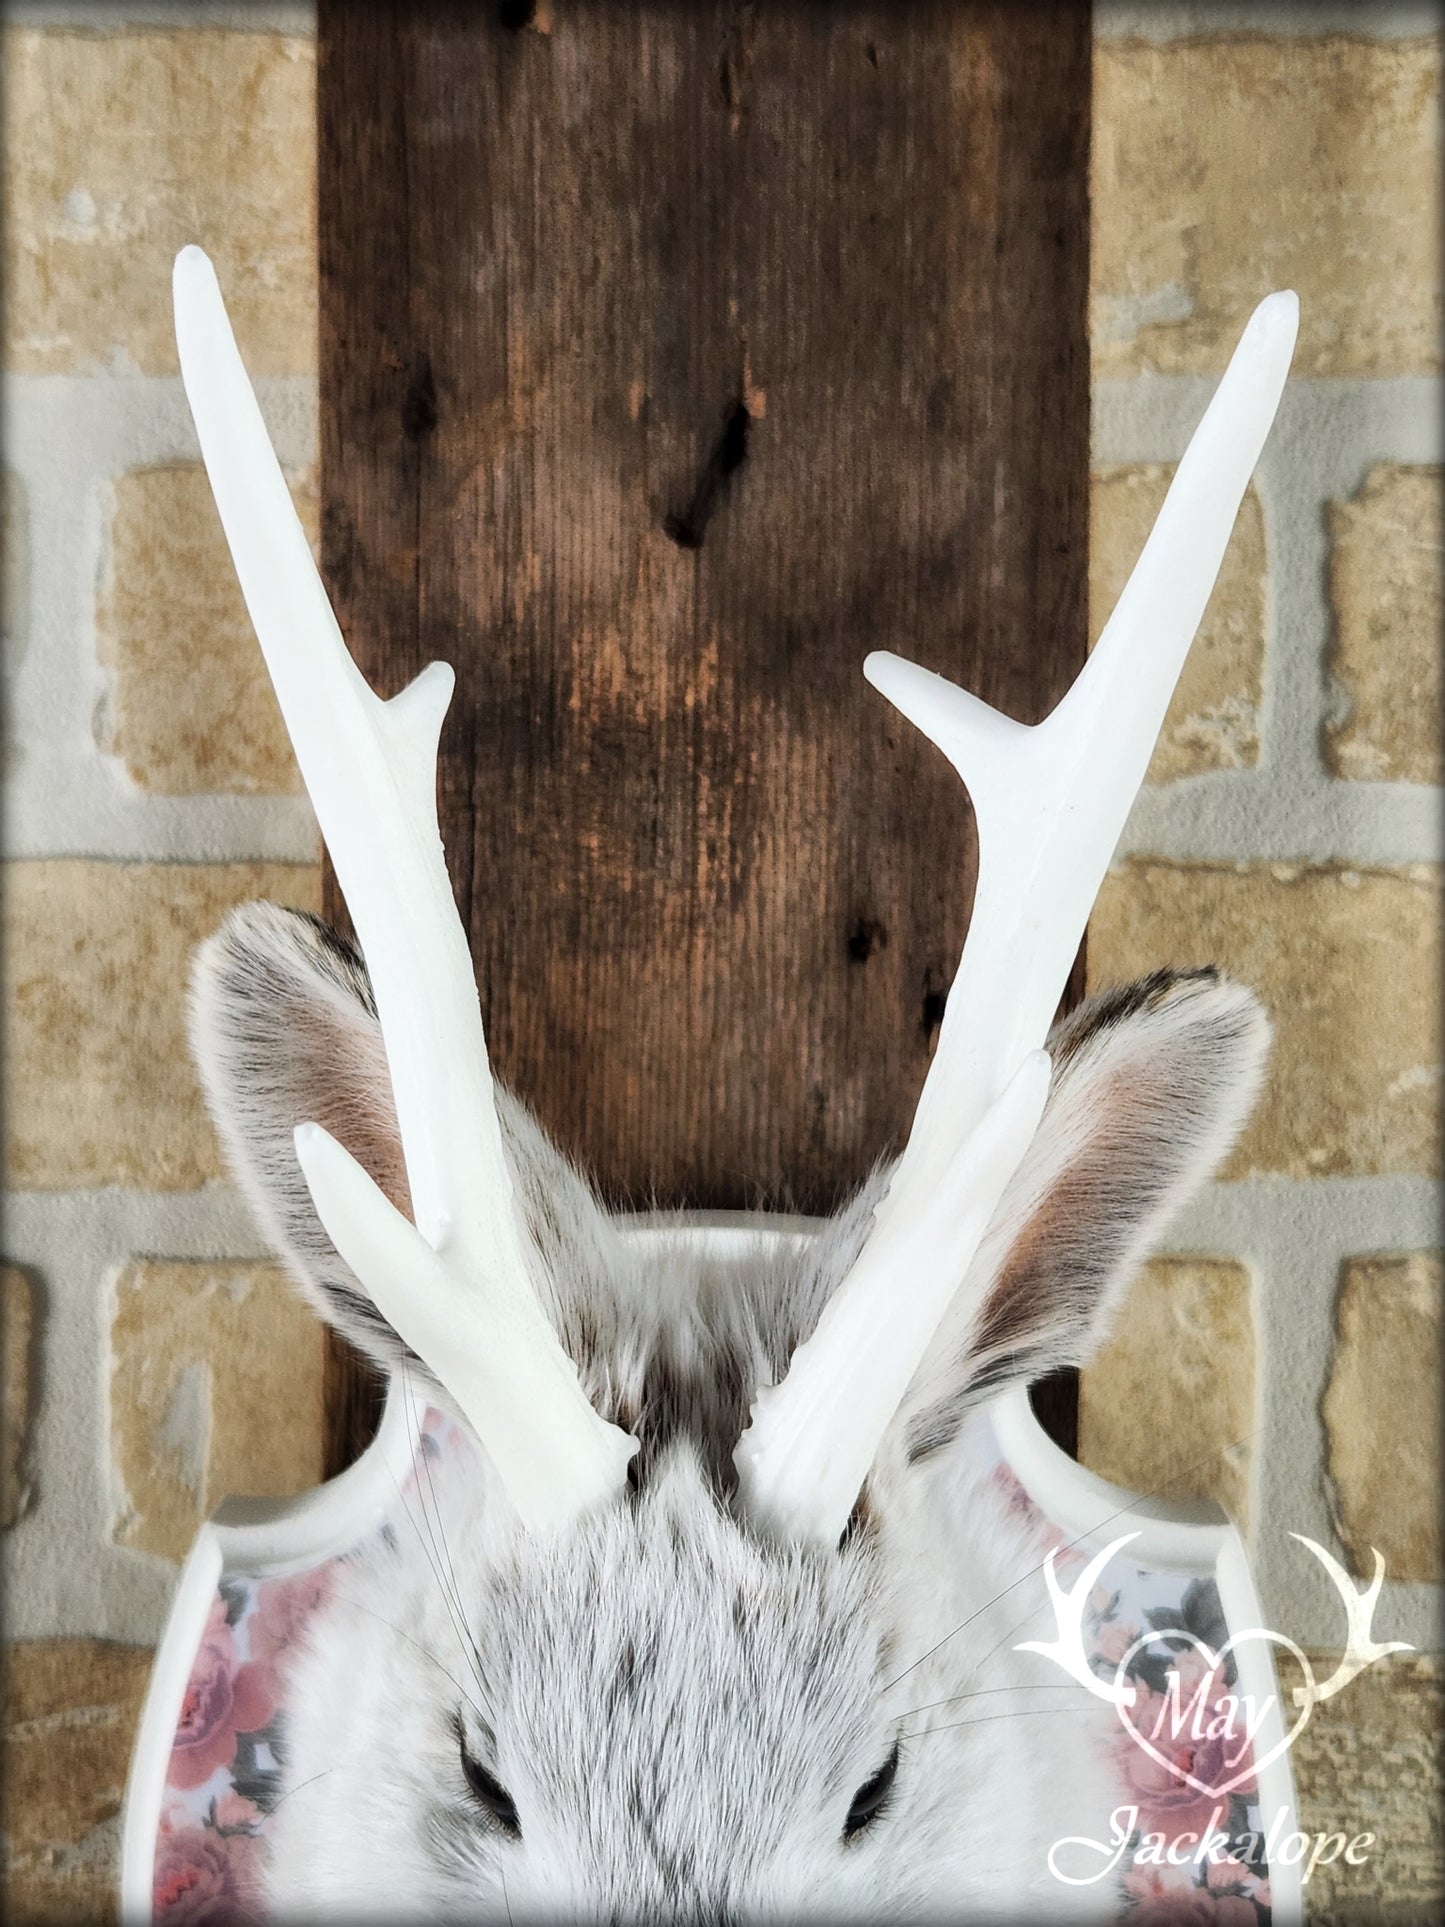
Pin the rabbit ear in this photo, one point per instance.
(1150, 1086)
(284, 1026)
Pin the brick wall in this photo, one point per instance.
(1290, 830)
(1283, 1355)
(154, 1361)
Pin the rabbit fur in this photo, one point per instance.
(669, 1715)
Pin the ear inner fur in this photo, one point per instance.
(1151, 1085)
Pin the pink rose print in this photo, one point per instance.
(1233, 1877)
(203, 1877)
(1006, 1483)
(1167, 1897)
(283, 1609)
(1167, 1803)
(222, 1700)
(234, 1812)
(174, 1813)
(1111, 1642)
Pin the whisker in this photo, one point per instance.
(459, 1627)
(299, 1789)
(981, 1692)
(1017, 1627)
(987, 1719)
(1087, 1533)
(440, 1528)
(419, 1459)
(416, 1645)
(451, 1596)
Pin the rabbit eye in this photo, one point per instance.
(871, 1798)
(491, 1795)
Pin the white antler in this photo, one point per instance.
(1050, 802)
(1067, 1650)
(1360, 1649)
(455, 1286)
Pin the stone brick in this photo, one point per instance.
(1384, 1453)
(191, 708)
(71, 1707)
(1371, 1759)
(1347, 962)
(1224, 167)
(1385, 585)
(215, 1389)
(1168, 1405)
(17, 1342)
(122, 148)
(97, 957)
(1213, 721)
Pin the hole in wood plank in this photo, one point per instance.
(517, 14)
(419, 406)
(728, 455)
(935, 1002)
(866, 937)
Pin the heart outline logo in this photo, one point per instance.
(1125, 1699)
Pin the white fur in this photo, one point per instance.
(683, 1713)
(681, 1708)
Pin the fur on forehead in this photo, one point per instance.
(635, 1597)
(682, 1561)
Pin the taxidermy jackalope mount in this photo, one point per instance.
(702, 1603)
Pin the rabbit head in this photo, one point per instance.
(666, 1711)
(684, 1628)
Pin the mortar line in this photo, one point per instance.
(1294, 1244)
(1329, 434)
(1161, 23)
(293, 18)
(69, 439)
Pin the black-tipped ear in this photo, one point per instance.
(284, 1031)
(1151, 1085)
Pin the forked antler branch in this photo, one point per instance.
(1050, 802)
(1067, 1648)
(1360, 1649)
(456, 1286)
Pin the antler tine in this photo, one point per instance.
(456, 1287)
(802, 1461)
(1361, 1648)
(1067, 1647)
(1050, 801)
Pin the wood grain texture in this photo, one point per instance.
(672, 358)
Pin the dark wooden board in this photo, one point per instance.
(672, 358)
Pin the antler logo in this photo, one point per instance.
(1198, 1718)
(1360, 1650)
